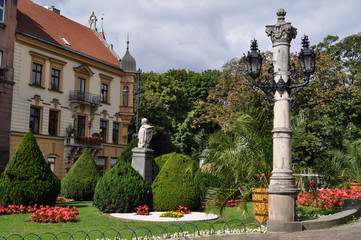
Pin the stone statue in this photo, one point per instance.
(145, 134)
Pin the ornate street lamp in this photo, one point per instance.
(254, 60)
(307, 64)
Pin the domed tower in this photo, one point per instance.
(128, 62)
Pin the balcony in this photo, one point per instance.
(74, 145)
(83, 97)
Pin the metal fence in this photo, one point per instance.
(172, 230)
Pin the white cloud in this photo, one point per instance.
(204, 34)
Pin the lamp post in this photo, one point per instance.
(282, 189)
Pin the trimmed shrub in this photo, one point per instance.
(127, 153)
(27, 179)
(175, 186)
(79, 183)
(122, 189)
(158, 164)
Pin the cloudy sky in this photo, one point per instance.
(204, 34)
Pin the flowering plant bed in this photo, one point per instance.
(60, 200)
(183, 210)
(327, 198)
(55, 214)
(16, 209)
(143, 210)
(172, 214)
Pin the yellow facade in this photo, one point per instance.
(36, 104)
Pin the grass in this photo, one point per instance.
(91, 218)
(308, 213)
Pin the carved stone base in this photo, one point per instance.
(142, 161)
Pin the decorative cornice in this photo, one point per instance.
(282, 32)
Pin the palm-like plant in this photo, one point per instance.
(239, 155)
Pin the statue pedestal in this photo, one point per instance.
(142, 161)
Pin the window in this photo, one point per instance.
(1, 58)
(81, 84)
(81, 125)
(56, 74)
(2, 10)
(55, 79)
(101, 163)
(115, 132)
(103, 130)
(104, 93)
(53, 123)
(51, 163)
(34, 124)
(113, 161)
(125, 96)
(105, 87)
(37, 73)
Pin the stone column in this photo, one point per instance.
(282, 189)
(142, 161)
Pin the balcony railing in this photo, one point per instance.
(84, 97)
(84, 141)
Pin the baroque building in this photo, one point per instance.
(71, 89)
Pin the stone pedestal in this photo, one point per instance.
(142, 161)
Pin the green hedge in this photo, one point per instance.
(158, 163)
(174, 184)
(204, 181)
(79, 183)
(127, 153)
(27, 178)
(122, 189)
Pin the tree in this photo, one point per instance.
(79, 183)
(27, 178)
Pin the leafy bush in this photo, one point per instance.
(79, 183)
(158, 164)
(27, 179)
(127, 153)
(174, 184)
(122, 189)
(205, 181)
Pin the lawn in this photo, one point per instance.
(90, 219)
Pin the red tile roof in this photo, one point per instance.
(47, 25)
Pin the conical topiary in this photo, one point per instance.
(122, 189)
(79, 183)
(27, 178)
(174, 184)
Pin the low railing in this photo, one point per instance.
(85, 97)
(173, 230)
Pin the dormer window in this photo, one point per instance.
(63, 39)
(2, 10)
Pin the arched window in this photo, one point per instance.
(125, 96)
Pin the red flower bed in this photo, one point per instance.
(327, 198)
(183, 210)
(15, 209)
(55, 214)
(143, 210)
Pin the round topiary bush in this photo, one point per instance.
(174, 184)
(126, 154)
(79, 183)
(27, 178)
(122, 189)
